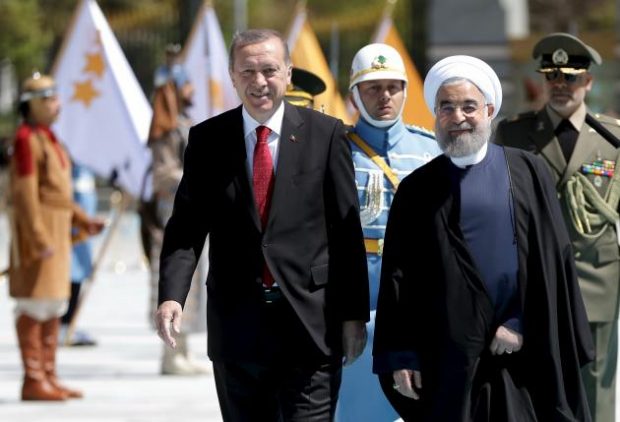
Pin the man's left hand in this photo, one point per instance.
(353, 340)
(506, 341)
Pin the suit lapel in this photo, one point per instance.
(291, 143)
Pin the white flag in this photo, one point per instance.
(205, 60)
(105, 116)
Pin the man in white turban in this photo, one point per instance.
(480, 317)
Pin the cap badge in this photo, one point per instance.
(559, 57)
(379, 62)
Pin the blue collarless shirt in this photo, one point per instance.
(486, 218)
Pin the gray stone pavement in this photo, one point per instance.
(120, 377)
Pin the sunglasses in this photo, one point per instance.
(554, 75)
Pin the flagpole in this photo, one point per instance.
(389, 8)
(334, 47)
(119, 200)
(241, 15)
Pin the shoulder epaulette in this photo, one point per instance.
(608, 120)
(420, 130)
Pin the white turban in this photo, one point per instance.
(467, 67)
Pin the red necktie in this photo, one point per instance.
(263, 184)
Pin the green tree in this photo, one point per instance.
(23, 40)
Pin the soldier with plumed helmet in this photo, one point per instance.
(581, 149)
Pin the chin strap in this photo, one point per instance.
(377, 123)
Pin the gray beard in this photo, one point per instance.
(465, 144)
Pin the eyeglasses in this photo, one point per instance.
(468, 109)
(554, 75)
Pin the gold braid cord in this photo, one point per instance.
(590, 213)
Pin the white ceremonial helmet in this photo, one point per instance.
(373, 62)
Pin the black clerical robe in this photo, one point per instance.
(432, 301)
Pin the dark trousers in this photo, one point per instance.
(288, 380)
(250, 392)
(599, 376)
(73, 299)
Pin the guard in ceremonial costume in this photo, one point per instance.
(385, 150)
(581, 149)
(42, 213)
(168, 136)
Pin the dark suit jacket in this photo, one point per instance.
(313, 242)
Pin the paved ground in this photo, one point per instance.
(120, 377)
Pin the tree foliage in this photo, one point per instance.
(24, 39)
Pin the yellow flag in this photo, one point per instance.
(416, 112)
(306, 53)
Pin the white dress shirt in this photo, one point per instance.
(249, 130)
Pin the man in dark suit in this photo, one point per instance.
(273, 186)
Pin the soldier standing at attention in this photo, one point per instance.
(578, 146)
(385, 150)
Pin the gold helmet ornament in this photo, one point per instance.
(377, 61)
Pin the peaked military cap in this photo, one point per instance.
(304, 86)
(564, 52)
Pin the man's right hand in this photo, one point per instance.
(169, 314)
(405, 380)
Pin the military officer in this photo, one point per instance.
(385, 150)
(581, 149)
(303, 88)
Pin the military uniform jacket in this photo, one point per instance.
(404, 149)
(42, 211)
(596, 251)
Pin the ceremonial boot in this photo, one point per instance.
(198, 367)
(49, 340)
(36, 384)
